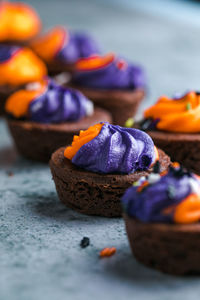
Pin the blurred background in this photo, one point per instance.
(163, 36)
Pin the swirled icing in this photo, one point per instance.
(61, 45)
(170, 198)
(48, 102)
(112, 149)
(180, 114)
(108, 72)
(19, 21)
(19, 65)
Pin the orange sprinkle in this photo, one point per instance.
(175, 165)
(140, 188)
(188, 211)
(106, 252)
(84, 137)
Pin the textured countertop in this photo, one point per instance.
(40, 257)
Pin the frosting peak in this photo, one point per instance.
(180, 114)
(19, 21)
(108, 72)
(64, 46)
(110, 148)
(19, 65)
(173, 197)
(48, 102)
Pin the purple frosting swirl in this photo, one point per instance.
(7, 51)
(112, 76)
(78, 45)
(148, 205)
(59, 104)
(116, 150)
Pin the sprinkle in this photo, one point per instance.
(188, 106)
(194, 185)
(106, 252)
(153, 178)
(176, 164)
(142, 186)
(129, 123)
(85, 242)
(171, 191)
(136, 183)
(156, 168)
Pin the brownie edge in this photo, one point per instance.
(38, 141)
(93, 193)
(170, 248)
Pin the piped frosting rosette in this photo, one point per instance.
(108, 72)
(19, 65)
(106, 148)
(19, 22)
(172, 197)
(180, 114)
(48, 102)
(64, 46)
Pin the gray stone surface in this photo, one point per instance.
(40, 257)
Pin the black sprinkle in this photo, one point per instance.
(156, 168)
(171, 192)
(85, 242)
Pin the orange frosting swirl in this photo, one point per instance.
(84, 137)
(19, 22)
(181, 115)
(23, 67)
(48, 45)
(18, 103)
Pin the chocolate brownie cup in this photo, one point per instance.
(162, 213)
(18, 66)
(91, 175)
(61, 48)
(46, 116)
(174, 126)
(19, 23)
(111, 83)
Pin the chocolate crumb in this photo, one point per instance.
(85, 242)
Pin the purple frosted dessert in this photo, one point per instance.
(44, 116)
(162, 215)
(92, 174)
(111, 82)
(61, 48)
(116, 150)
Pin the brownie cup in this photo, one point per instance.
(61, 48)
(98, 192)
(19, 23)
(46, 116)
(170, 249)
(111, 83)
(162, 216)
(173, 124)
(18, 66)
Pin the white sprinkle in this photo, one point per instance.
(89, 108)
(195, 187)
(33, 86)
(152, 178)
